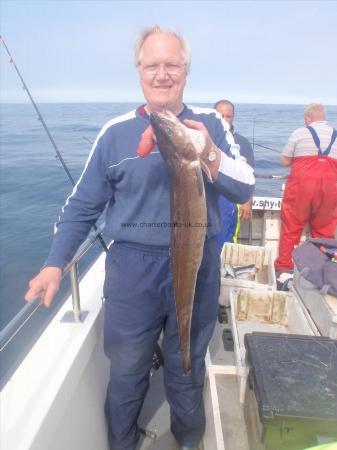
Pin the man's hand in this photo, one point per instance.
(45, 285)
(286, 160)
(245, 211)
(213, 166)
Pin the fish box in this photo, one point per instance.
(261, 275)
(265, 311)
(291, 402)
(322, 308)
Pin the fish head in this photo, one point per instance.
(174, 139)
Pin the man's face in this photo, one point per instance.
(162, 72)
(226, 111)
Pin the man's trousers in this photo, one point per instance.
(139, 305)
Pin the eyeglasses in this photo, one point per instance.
(172, 68)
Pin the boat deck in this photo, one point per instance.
(61, 406)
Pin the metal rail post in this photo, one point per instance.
(75, 293)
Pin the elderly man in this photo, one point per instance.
(311, 190)
(230, 212)
(138, 292)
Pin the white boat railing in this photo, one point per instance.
(23, 316)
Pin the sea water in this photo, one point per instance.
(34, 185)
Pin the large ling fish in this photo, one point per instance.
(179, 147)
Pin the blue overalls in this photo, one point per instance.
(139, 305)
(229, 221)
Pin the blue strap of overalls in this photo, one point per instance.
(318, 142)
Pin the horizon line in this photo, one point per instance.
(142, 102)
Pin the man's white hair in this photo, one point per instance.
(315, 110)
(148, 31)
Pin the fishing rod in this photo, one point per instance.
(88, 140)
(271, 177)
(259, 145)
(262, 176)
(58, 154)
(268, 148)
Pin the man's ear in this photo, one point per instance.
(308, 120)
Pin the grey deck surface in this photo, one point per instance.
(232, 419)
(233, 424)
(155, 416)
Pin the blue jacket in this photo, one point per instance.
(136, 190)
(246, 149)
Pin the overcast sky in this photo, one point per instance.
(248, 51)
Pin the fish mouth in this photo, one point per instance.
(164, 121)
(164, 118)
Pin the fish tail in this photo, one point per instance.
(186, 363)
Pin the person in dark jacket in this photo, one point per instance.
(232, 213)
(138, 291)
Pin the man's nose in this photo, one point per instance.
(162, 72)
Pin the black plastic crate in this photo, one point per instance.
(292, 403)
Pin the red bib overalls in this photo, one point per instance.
(310, 197)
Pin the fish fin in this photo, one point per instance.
(146, 143)
(205, 168)
(200, 183)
